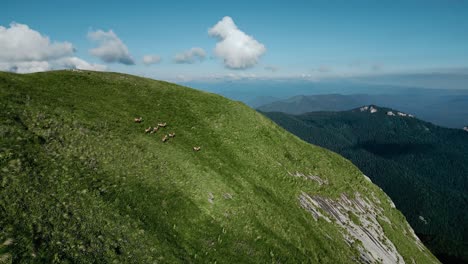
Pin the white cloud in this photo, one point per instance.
(40, 66)
(151, 59)
(237, 49)
(77, 63)
(110, 48)
(25, 50)
(24, 66)
(20, 43)
(190, 56)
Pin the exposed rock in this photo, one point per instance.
(367, 178)
(423, 219)
(312, 206)
(391, 113)
(375, 198)
(316, 178)
(358, 218)
(466, 128)
(366, 108)
(416, 238)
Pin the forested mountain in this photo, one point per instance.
(421, 166)
(444, 108)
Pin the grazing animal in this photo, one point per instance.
(165, 138)
(162, 124)
(148, 130)
(172, 134)
(138, 119)
(154, 130)
(196, 148)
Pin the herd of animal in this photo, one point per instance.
(165, 138)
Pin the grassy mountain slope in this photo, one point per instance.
(422, 167)
(80, 182)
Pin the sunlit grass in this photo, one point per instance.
(82, 182)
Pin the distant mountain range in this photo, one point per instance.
(324, 102)
(449, 110)
(446, 107)
(421, 166)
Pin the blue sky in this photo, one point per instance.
(309, 39)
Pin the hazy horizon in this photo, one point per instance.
(316, 41)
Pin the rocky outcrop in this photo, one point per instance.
(391, 113)
(359, 219)
(422, 219)
(404, 114)
(370, 108)
(315, 178)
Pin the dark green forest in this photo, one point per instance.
(421, 166)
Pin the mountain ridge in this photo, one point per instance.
(444, 110)
(81, 181)
(420, 165)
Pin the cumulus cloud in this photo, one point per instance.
(77, 63)
(110, 48)
(24, 66)
(151, 59)
(237, 49)
(20, 43)
(25, 50)
(190, 56)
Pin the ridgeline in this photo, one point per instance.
(82, 182)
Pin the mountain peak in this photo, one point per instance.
(448, 111)
(369, 108)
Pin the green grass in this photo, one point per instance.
(80, 182)
(354, 218)
(421, 166)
